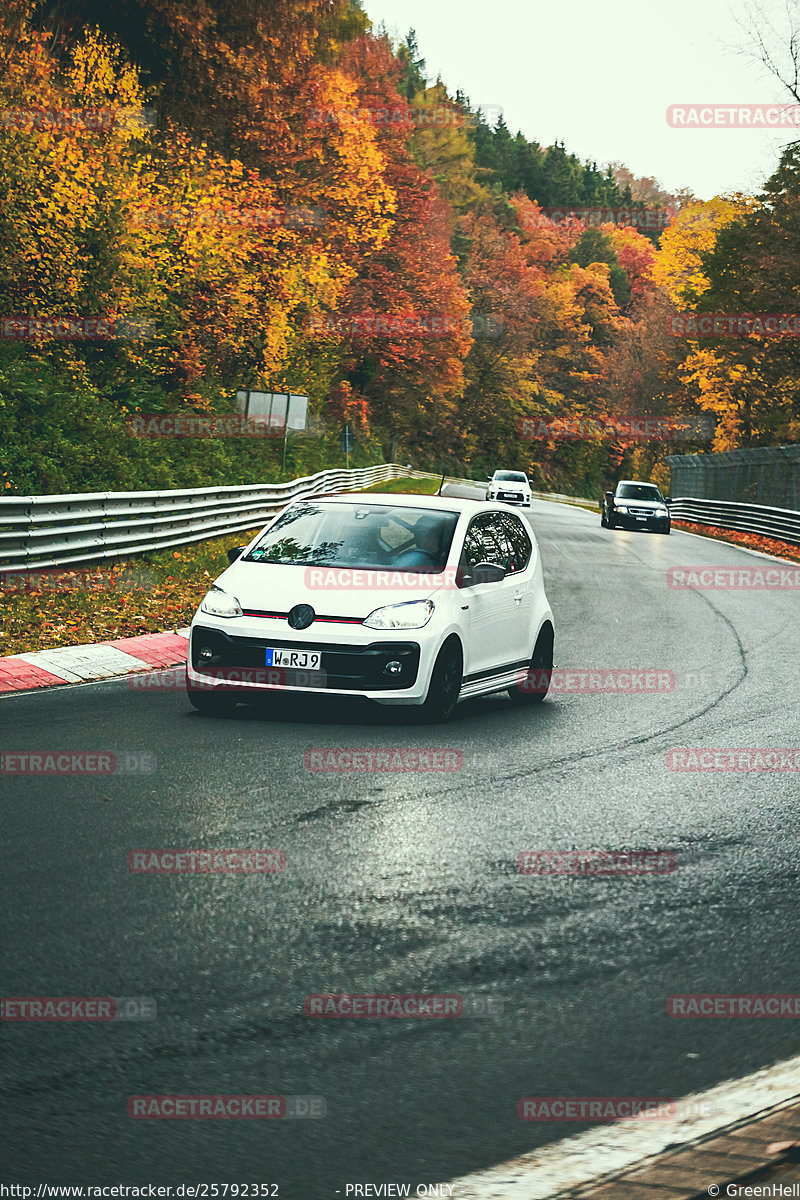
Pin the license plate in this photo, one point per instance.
(306, 659)
(641, 518)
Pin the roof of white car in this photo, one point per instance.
(408, 500)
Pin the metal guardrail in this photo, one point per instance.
(54, 531)
(780, 523)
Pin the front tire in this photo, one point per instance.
(445, 684)
(539, 672)
(211, 704)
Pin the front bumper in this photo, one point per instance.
(513, 498)
(237, 665)
(630, 521)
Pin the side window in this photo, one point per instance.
(480, 544)
(504, 555)
(521, 544)
(473, 548)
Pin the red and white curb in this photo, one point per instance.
(590, 1157)
(84, 664)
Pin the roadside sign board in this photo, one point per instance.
(284, 410)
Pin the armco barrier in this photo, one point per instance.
(54, 531)
(782, 523)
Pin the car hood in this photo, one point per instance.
(648, 504)
(509, 487)
(331, 591)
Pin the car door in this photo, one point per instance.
(493, 611)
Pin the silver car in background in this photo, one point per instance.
(512, 487)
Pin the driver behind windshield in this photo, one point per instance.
(427, 551)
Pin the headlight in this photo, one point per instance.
(218, 603)
(662, 511)
(621, 507)
(412, 615)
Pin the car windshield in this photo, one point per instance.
(638, 491)
(510, 476)
(359, 535)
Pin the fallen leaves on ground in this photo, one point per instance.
(42, 610)
(752, 541)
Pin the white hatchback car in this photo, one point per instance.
(512, 487)
(416, 600)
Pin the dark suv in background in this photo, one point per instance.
(635, 505)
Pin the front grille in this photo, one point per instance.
(348, 668)
(278, 616)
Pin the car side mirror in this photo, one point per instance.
(235, 552)
(609, 496)
(486, 572)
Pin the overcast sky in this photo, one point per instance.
(601, 75)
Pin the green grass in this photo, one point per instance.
(416, 487)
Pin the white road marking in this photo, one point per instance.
(545, 1174)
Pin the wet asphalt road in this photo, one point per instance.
(408, 883)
